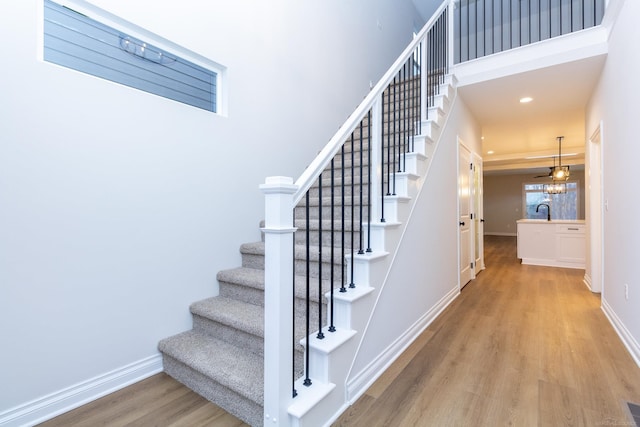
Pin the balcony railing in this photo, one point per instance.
(485, 27)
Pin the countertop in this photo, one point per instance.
(553, 221)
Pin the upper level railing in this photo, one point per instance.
(485, 27)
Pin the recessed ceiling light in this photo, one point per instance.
(526, 99)
(490, 152)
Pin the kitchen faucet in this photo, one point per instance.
(548, 210)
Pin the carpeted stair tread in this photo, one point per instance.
(245, 276)
(257, 248)
(254, 278)
(253, 248)
(228, 365)
(231, 312)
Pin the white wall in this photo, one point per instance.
(425, 270)
(117, 207)
(613, 102)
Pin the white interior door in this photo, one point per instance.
(464, 209)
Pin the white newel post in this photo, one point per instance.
(278, 299)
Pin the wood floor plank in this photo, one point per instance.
(156, 401)
(398, 366)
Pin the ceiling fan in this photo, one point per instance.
(550, 174)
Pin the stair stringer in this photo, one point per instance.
(331, 359)
(362, 380)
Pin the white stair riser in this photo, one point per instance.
(414, 163)
(395, 208)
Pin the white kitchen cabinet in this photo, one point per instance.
(554, 243)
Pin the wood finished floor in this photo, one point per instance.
(521, 346)
(158, 401)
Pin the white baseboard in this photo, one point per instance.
(59, 402)
(365, 378)
(627, 339)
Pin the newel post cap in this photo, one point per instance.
(278, 184)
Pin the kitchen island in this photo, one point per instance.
(555, 243)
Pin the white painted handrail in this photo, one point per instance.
(320, 163)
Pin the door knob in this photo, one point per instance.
(482, 220)
(461, 222)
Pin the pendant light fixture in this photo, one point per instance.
(556, 187)
(560, 173)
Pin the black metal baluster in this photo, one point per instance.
(413, 89)
(399, 120)
(431, 67)
(459, 35)
(560, 29)
(389, 136)
(361, 250)
(307, 379)
(382, 159)
(342, 271)
(320, 335)
(332, 327)
(570, 16)
(446, 38)
(539, 20)
(419, 81)
(550, 21)
(510, 26)
(501, 27)
(403, 117)
(294, 392)
(394, 136)
(369, 181)
(353, 208)
(438, 27)
(445, 67)
(468, 31)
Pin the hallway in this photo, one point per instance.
(522, 346)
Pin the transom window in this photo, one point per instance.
(563, 206)
(129, 56)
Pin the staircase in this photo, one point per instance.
(222, 357)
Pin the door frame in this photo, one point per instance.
(462, 146)
(594, 273)
(477, 208)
